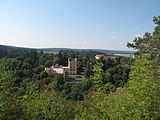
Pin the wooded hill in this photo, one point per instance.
(120, 89)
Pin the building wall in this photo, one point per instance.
(58, 70)
(64, 70)
(72, 65)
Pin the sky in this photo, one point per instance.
(86, 24)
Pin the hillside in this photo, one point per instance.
(52, 50)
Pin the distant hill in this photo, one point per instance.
(14, 47)
(107, 52)
(11, 51)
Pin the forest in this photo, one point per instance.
(120, 89)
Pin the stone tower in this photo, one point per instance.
(72, 65)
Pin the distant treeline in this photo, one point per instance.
(11, 51)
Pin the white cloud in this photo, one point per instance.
(123, 43)
(114, 37)
(137, 35)
(113, 33)
(137, 27)
(84, 42)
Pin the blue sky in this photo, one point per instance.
(104, 24)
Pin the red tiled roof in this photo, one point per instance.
(101, 55)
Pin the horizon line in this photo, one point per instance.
(63, 48)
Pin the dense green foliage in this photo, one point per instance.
(139, 99)
(120, 89)
(28, 92)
